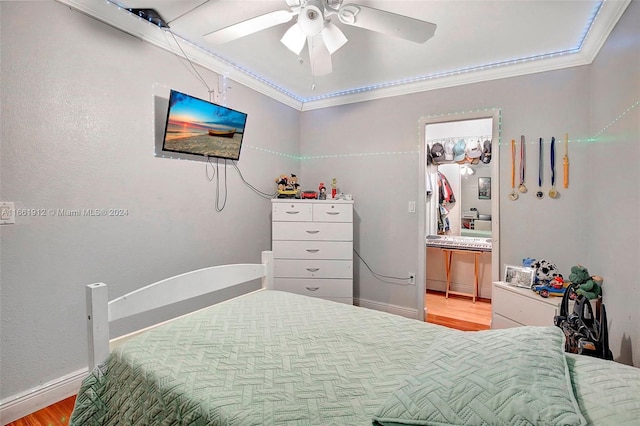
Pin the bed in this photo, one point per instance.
(276, 358)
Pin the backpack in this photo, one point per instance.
(585, 333)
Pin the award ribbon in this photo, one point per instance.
(552, 192)
(522, 188)
(513, 195)
(540, 194)
(565, 160)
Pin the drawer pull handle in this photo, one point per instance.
(292, 212)
(312, 232)
(313, 269)
(312, 288)
(333, 213)
(313, 250)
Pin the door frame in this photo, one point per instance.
(496, 138)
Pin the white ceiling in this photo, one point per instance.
(475, 40)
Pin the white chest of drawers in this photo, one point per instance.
(312, 244)
(515, 306)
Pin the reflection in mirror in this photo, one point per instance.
(462, 204)
(455, 262)
(476, 202)
(459, 258)
(470, 214)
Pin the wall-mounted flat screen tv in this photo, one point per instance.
(198, 127)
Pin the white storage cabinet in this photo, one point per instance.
(516, 306)
(312, 244)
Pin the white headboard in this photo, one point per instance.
(101, 311)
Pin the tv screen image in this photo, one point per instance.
(198, 127)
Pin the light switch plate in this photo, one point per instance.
(7, 213)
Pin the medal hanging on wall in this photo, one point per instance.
(565, 160)
(540, 194)
(552, 192)
(514, 195)
(522, 188)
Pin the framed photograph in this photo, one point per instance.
(519, 276)
(484, 188)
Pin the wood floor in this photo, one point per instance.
(455, 312)
(54, 415)
(458, 312)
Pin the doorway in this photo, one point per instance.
(456, 127)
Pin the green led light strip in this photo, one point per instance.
(295, 157)
(618, 118)
(314, 157)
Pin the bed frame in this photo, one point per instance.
(101, 311)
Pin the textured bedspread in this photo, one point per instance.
(265, 358)
(274, 358)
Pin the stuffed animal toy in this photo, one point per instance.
(281, 181)
(545, 271)
(589, 286)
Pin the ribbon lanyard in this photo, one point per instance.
(553, 161)
(565, 160)
(552, 192)
(522, 188)
(513, 195)
(513, 164)
(540, 194)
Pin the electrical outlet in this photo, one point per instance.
(7, 213)
(412, 278)
(412, 206)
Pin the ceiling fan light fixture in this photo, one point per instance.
(311, 17)
(294, 39)
(333, 38)
(347, 13)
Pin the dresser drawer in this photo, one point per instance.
(332, 212)
(312, 250)
(499, 322)
(292, 212)
(311, 268)
(312, 231)
(333, 288)
(522, 309)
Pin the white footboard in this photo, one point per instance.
(101, 311)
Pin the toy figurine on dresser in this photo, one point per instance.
(322, 191)
(288, 187)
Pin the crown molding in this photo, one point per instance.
(118, 18)
(609, 15)
(112, 15)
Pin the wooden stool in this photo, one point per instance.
(448, 255)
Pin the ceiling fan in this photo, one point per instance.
(314, 28)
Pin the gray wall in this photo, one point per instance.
(371, 148)
(613, 214)
(78, 132)
(539, 105)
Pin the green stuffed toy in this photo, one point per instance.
(587, 285)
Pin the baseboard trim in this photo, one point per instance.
(25, 403)
(386, 307)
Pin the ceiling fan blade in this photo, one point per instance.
(250, 26)
(386, 22)
(319, 56)
(333, 38)
(294, 39)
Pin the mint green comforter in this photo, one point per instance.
(275, 358)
